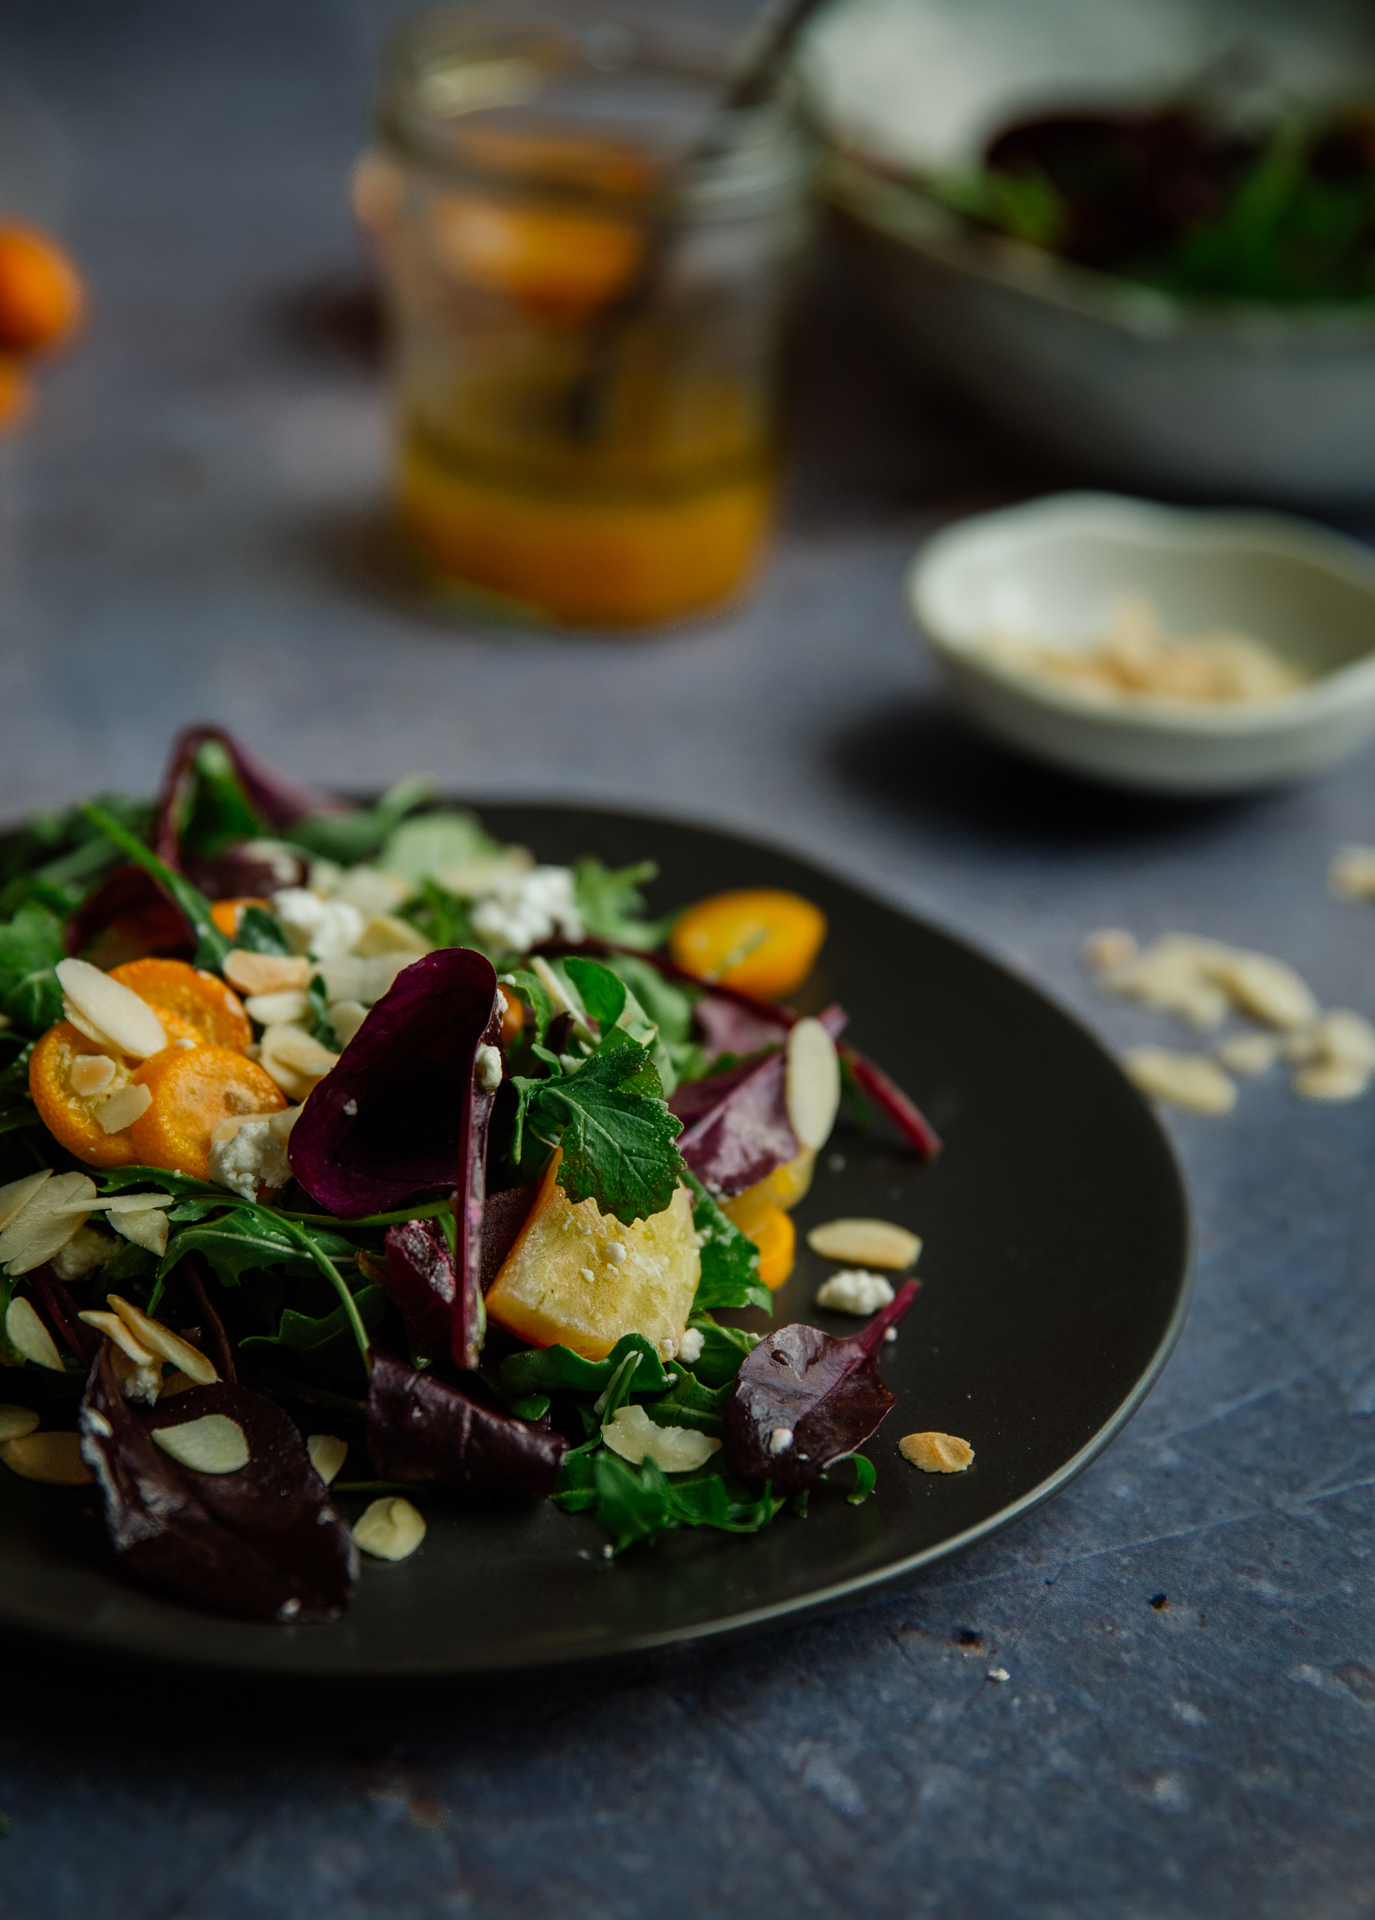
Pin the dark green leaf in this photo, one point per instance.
(723, 1348)
(244, 1238)
(560, 1370)
(306, 1335)
(689, 1404)
(536, 996)
(617, 1142)
(730, 1259)
(321, 1029)
(350, 837)
(611, 906)
(259, 931)
(866, 1478)
(219, 813)
(30, 947)
(443, 918)
(634, 1504)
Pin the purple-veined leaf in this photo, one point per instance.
(824, 1394)
(263, 1541)
(422, 1428)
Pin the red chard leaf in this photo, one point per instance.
(728, 1027)
(889, 1098)
(278, 801)
(264, 1541)
(128, 917)
(824, 1393)
(423, 1429)
(400, 1115)
(735, 1124)
(421, 1276)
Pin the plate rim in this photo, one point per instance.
(749, 1620)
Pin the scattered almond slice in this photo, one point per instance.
(390, 1529)
(811, 1089)
(112, 1203)
(384, 933)
(1266, 989)
(124, 1338)
(1351, 875)
(15, 1422)
(161, 1340)
(92, 1000)
(90, 1073)
(1189, 1080)
(865, 1243)
(1332, 1080)
(27, 1334)
(174, 1383)
(936, 1452)
(285, 1009)
(1172, 975)
(53, 1458)
(145, 1226)
(257, 973)
(635, 1437)
(120, 1110)
(212, 1444)
(294, 1060)
(59, 1209)
(1248, 1053)
(17, 1195)
(346, 1017)
(327, 1455)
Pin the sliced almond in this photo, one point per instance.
(212, 1444)
(53, 1458)
(866, 1243)
(17, 1195)
(266, 972)
(145, 1226)
(1247, 1053)
(15, 1422)
(350, 978)
(285, 1009)
(114, 1329)
(294, 1060)
(812, 1087)
(327, 1454)
(1188, 1080)
(161, 1340)
(174, 1383)
(936, 1452)
(121, 1109)
(111, 1203)
(384, 933)
(90, 1073)
(1332, 1080)
(1266, 989)
(114, 1010)
(52, 1216)
(1351, 875)
(346, 1017)
(390, 1529)
(27, 1335)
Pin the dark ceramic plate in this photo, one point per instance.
(1055, 1282)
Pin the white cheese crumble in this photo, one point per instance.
(83, 1253)
(780, 1439)
(690, 1346)
(254, 1154)
(855, 1291)
(328, 929)
(522, 909)
(488, 1068)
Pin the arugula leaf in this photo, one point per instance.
(536, 996)
(723, 1349)
(220, 812)
(350, 837)
(311, 1337)
(617, 1138)
(30, 947)
(610, 1001)
(442, 917)
(211, 945)
(866, 1478)
(636, 1503)
(246, 1237)
(320, 1028)
(730, 1259)
(689, 1404)
(259, 931)
(560, 1370)
(611, 905)
(116, 1179)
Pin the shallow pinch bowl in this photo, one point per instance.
(1052, 570)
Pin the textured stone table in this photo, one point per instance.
(169, 523)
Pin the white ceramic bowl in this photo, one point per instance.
(1208, 398)
(1053, 570)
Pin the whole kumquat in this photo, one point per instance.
(41, 295)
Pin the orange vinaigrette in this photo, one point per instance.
(585, 333)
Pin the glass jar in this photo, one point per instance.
(587, 272)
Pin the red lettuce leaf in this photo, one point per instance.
(727, 1027)
(423, 1429)
(240, 874)
(278, 801)
(64, 1315)
(421, 1276)
(400, 1116)
(736, 1129)
(264, 1542)
(825, 1392)
(889, 1098)
(128, 917)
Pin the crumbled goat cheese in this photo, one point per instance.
(488, 1068)
(690, 1346)
(524, 908)
(83, 1253)
(780, 1439)
(328, 929)
(855, 1291)
(254, 1155)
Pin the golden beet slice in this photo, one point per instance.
(579, 1278)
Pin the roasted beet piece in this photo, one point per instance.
(264, 1541)
(423, 1429)
(421, 1277)
(825, 1393)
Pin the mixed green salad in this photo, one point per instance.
(349, 1150)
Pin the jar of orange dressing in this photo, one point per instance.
(587, 273)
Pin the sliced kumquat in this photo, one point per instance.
(70, 1115)
(784, 1187)
(193, 1089)
(210, 1008)
(760, 940)
(512, 1019)
(773, 1232)
(227, 914)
